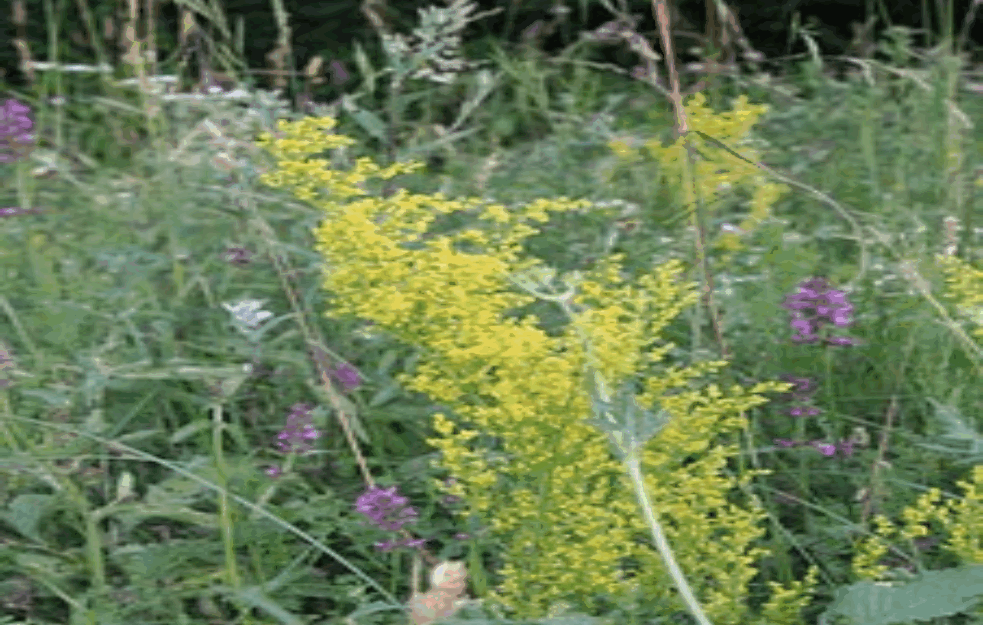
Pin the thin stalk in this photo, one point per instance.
(630, 450)
(52, 22)
(659, 538)
(692, 199)
(225, 511)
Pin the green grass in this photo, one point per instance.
(138, 421)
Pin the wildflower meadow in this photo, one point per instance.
(598, 347)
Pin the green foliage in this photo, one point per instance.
(933, 594)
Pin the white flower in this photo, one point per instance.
(248, 312)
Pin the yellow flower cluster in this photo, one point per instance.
(549, 489)
(959, 520)
(716, 170)
(965, 287)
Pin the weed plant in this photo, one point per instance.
(264, 367)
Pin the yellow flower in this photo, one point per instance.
(548, 487)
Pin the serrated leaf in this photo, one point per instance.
(622, 418)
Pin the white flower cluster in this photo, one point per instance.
(433, 51)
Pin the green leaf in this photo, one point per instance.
(25, 512)
(385, 395)
(485, 84)
(365, 68)
(256, 598)
(187, 431)
(956, 426)
(372, 608)
(129, 515)
(369, 121)
(622, 418)
(386, 363)
(349, 408)
(54, 398)
(934, 594)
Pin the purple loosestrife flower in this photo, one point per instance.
(15, 130)
(412, 543)
(845, 447)
(16, 211)
(299, 431)
(814, 306)
(347, 377)
(385, 508)
(801, 396)
(826, 449)
(238, 256)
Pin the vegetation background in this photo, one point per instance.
(202, 421)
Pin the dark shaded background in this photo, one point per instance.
(327, 28)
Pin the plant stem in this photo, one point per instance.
(633, 466)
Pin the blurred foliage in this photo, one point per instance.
(328, 28)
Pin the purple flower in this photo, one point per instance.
(15, 130)
(339, 75)
(802, 385)
(800, 395)
(347, 377)
(846, 447)
(297, 435)
(387, 545)
(825, 449)
(15, 211)
(829, 450)
(238, 256)
(385, 508)
(412, 543)
(814, 305)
